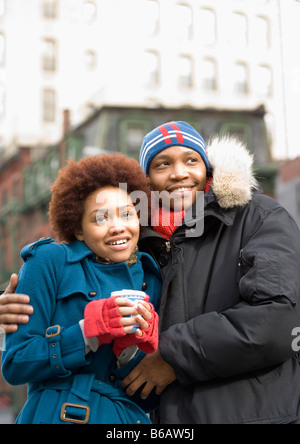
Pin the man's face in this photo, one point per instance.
(179, 172)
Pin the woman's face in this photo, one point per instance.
(110, 225)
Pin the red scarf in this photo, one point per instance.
(165, 222)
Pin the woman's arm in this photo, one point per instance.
(33, 352)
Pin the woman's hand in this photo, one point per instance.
(139, 314)
(104, 319)
(146, 336)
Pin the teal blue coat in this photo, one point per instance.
(61, 280)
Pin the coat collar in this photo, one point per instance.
(212, 208)
(77, 251)
(232, 170)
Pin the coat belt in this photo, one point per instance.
(81, 384)
(77, 409)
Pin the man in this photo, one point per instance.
(230, 298)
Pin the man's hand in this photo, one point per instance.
(14, 308)
(152, 371)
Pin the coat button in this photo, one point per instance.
(163, 260)
(92, 294)
(144, 286)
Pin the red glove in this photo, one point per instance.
(102, 319)
(148, 343)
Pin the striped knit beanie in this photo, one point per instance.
(171, 134)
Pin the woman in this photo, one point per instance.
(80, 342)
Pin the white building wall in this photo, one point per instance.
(137, 42)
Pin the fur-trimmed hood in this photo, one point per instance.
(232, 170)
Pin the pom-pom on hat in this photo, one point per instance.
(171, 134)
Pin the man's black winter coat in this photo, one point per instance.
(229, 305)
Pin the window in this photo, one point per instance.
(151, 68)
(209, 74)
(16, 187)
(89, 10)
(74, 147)
(183, 21)
(238, 30)
(186, 71)
(134, 140)
(241, 78)
(2, 8)
(54, 165)
(264, 81)
(40, 178)
(49, 105)
(2, 101)
(262, 33)
(2, 48)
(207, 26)
(90, 59)
(28, 184)
(239, 130)
(4, 197)
(151, 15)
(298, 198)
(49, 55)
(50, 9)
(132, 133)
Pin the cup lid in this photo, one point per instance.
(129, 293)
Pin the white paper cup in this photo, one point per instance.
(134, 296)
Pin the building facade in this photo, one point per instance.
(83, 54)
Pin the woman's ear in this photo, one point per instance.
(79, 235)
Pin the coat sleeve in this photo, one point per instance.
(255, 333)
(30, 356)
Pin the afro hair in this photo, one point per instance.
(78, 180)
